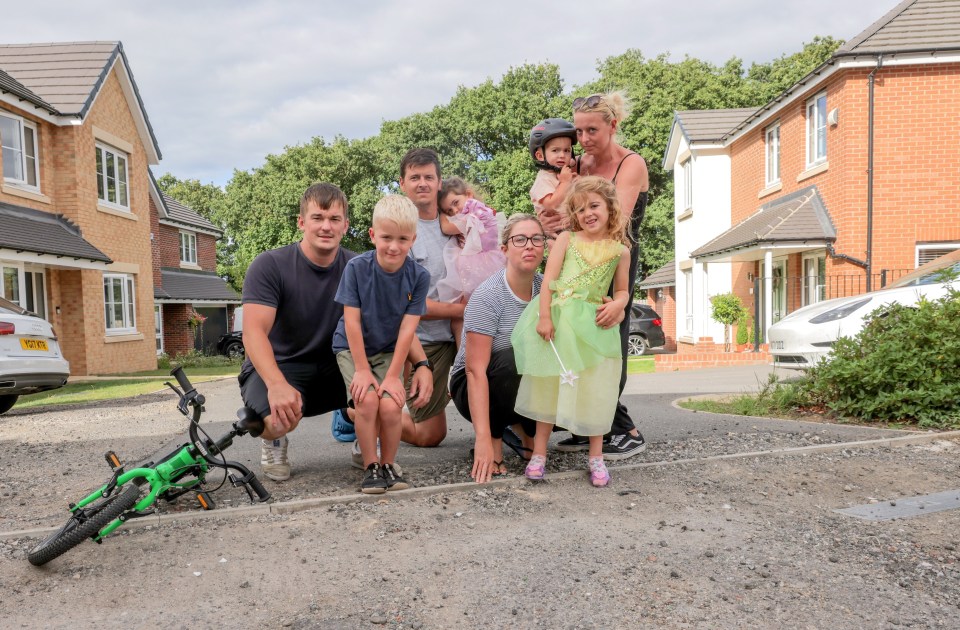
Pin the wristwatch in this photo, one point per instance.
(425, 363)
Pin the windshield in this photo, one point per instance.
(8, 307)
(945, 268)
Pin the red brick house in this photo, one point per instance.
(185, 279)
(74, 211)
(837, 186)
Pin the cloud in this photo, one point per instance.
(226, 83)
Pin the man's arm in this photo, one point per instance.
(286, 404)
(444, 310)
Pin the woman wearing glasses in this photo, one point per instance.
(484, 379)
(597, 119)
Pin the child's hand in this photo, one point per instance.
(392, 386)
(545, 328)
(360, 386)
(567, 174)
(610, 313)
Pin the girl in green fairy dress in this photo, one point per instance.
(567, 344)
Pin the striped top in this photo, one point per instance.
(493, 311)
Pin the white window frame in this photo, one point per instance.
(772, 142)
(24, 125)
(688, 301)
(107, 153)
(128, 300)
(817, 129)
(687, 167)
(188, 248)
(158, 326)
(815, 292)
(19, 297)
(946, 247)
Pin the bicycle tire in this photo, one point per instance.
(72, 534)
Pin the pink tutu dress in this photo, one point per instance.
(480, 256)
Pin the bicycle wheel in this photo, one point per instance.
(75, 532)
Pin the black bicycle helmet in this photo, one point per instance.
(547, 130)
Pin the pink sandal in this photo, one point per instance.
(599, 476)
(535, 468)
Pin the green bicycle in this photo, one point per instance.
(180, 472)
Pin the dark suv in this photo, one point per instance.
(646, 330)
(231, 345)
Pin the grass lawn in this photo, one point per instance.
(212, 370)
(640, 365)
(92, 391)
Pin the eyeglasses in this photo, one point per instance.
(520, 240)
(589, 101)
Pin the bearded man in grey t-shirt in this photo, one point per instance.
(420, 181)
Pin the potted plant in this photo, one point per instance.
(728, 309)
(195, 322)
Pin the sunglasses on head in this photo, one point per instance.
(589, 101)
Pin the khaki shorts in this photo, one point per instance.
(379, 364)
(441, 356)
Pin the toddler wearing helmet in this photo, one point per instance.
(551, 146)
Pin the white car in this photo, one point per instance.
(30, 357)
(805, 336)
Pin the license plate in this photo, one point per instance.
(39, 345)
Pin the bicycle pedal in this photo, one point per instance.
(112, 459)
(206, 501)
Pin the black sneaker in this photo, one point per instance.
(373, 481)
(391, 475)
(623, 445)
(573, 444)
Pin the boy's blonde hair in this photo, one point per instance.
(577, 198)
(396, 208)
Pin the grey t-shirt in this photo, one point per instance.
(427, 251)
(302, 293)
(493, 311)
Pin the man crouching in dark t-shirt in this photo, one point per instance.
(289, 316)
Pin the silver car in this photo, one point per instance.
(30, 357)
(805, 336)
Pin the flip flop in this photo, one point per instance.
(499, 474)
(513, 441)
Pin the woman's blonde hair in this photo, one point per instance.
(512, 221)
(577, 198)
(611, 106)
(396, 208)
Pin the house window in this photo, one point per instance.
(10, 282)
(112, 177)
(158, 326)
(188, 248)
(688, 185)
(34, 293)
(932, 251)
(814, 278)
(19, 140)
(688, 306)
(118, 303)
(817, 129)
(773, 154)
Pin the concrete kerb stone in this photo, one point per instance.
(290, 507)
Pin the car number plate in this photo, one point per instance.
(34, 344)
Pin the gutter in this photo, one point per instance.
(871, 82)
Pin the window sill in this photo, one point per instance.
(769, 190)
(193, 266)
(121, 337)
(686, 339)
(33, 194)
(816, 169)
(125, 214)
(686, 214)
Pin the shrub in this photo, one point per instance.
(902, 366)
(193, 359)
(727, 309)
(744, 331)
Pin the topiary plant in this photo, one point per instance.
(728, 309)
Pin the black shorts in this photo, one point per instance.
(321, 387)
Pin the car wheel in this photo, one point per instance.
(235, 350)
(6, 402)
(637, 346)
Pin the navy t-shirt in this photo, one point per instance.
(383, 299)
(302, 293)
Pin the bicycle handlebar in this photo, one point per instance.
(183, 381)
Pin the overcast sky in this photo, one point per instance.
(226, 82)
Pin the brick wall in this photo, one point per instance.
(169, 248)
(177, 335)
(666, 307)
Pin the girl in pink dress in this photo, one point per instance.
(475, 256)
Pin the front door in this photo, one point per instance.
(212, 328)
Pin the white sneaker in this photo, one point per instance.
(356, 457)
(273, 459)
